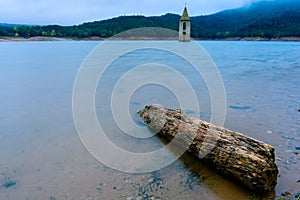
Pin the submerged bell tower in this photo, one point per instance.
(185, 27)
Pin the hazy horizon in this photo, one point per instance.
(69, 12)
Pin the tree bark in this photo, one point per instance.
(235, 155)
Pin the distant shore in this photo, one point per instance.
(20, 39)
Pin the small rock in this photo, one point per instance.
(151, 180)
(278, 198)
(297, 148)
(129, 198)
(298, 182)
(269, 132)
(288, 194)
(9, 184)
(152, 198)
(52, 198)
(100, 187)
(285, 196)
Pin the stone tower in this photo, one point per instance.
(185, 27)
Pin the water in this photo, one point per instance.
(41, 151)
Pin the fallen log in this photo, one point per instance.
(235, 155)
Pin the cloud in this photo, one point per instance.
(78, 11)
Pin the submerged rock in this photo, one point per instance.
(100, 187)
(52, 198)
(240, 107)
(9, 184)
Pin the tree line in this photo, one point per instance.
(262, 19)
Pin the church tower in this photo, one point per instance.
(185, 27)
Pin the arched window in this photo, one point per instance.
(184, 26)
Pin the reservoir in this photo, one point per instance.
(42, 156)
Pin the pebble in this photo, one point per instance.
(129, 198)
(297, 148)
(100, 187)
(52, 198)
(9, 184)
(152, 198)
(287, 196)
(151, 180)
(269, 132)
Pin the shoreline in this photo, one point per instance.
(32, 39)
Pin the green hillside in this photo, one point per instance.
(261, 19)
(277, 18)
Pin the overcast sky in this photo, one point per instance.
(70, 12)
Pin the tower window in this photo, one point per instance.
(184, 26)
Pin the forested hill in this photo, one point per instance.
(279, 18)
(271, 19)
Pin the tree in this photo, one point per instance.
(52, 33)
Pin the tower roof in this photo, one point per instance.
(185, 15)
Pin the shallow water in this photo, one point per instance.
(41, 151)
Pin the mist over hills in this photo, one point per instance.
(262, 19)
(269, 19)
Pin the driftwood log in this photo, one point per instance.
(235, 155)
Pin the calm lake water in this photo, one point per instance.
(41, 154)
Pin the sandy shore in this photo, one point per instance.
(294, 39)
(20, 39)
